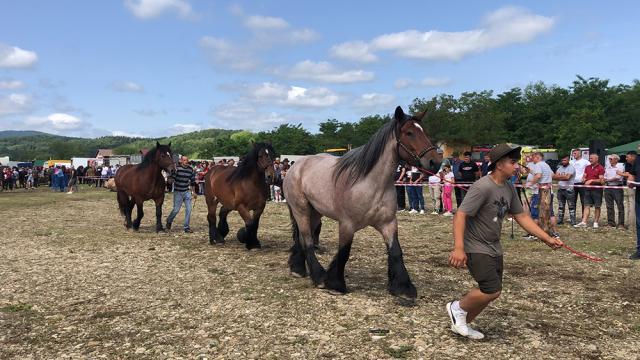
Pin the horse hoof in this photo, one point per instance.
(333, 291)
(297, 275)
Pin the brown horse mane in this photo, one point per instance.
(147, 160)
(358, 162)
(250, 162)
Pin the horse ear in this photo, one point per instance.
(157, 143)
(169, 144)
(421, 116)
(399, 114)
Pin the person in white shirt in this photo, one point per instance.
(579, 164)
(611, 196)
(434, 192)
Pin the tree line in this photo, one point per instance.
(539, 114)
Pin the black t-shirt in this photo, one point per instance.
(401, 165)
(468, 171)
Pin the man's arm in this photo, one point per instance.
(401, 175)
(527, 223)
(458, 258)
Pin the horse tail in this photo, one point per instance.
(123, 202)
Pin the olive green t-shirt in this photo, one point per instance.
(486, 203)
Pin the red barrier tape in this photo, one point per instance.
(583, 255)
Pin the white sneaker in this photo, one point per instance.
(595, 225)
(434, 213)
(458, 320)
(421, 212)
(581, 224)
(448, 213)
(459, 324)
(413, 211)
(472, 333)
(284, 200)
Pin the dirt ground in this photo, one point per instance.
(75, 284)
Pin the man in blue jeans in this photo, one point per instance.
(184, 182)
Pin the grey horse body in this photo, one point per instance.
(357, 191)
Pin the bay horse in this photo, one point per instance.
(244, 188)
(144, 181)
(357, 190)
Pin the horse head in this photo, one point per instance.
(266, 155)
(414, 146)
(164, 157)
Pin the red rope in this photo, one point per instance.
(583, 255)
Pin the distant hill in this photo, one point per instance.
(36, 145)
(18, 133)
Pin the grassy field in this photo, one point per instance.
(75, 284)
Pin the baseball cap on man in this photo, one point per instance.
(501, 151)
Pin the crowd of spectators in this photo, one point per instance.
(573, 179)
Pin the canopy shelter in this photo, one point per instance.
(623, 149)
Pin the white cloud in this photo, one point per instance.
(435, 81)
(324, 72)
(502, 27)
(150, 112)
(10, 84)
(127, 86)
(126, 133)
(291, 96)
(147, 9)
(224, 53)
(184, 128)
(55, 122)
(241, 115)
(374, 100)
(236, 9)
(15, 104)
(259, 22)
(315, 97)
(355, 51)
(402, 83)
(15, 57)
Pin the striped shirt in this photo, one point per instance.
(183, 177)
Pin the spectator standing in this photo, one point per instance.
(542, 200)
(400, 189)
(184, 181)
(416, 192)
(593, 176)
(447, 190)
(455, 168)
(469, 173)
(435, 192)
(565, 174)
(73, 180)
(484, 167)
(613, 177)
(579, 164)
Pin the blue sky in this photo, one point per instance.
(162, 67)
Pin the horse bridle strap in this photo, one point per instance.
(415, 156)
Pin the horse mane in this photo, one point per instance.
(148, 159)
(250, 162)
(359, 162)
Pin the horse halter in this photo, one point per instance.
(414, 156)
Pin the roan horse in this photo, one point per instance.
(358, 191)
(244, 188)
(144, 181)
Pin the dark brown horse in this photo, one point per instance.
(137, 183)
(244, 188)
